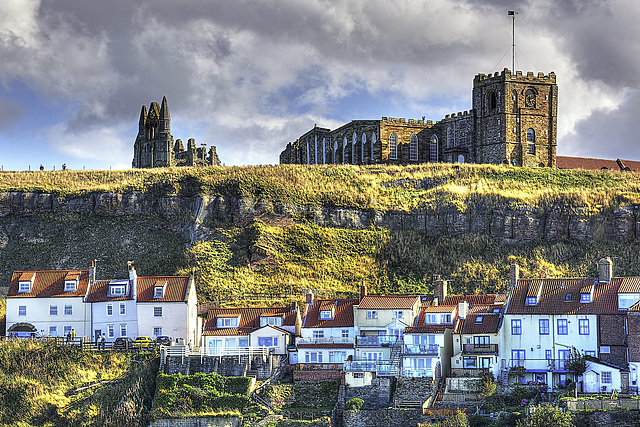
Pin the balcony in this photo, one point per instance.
(469, 372)
(319, 366)
(360, 366)
(378, 341)
(480, 349)
(326, 340)
(427, 349)
(417, 372)
(539, 364)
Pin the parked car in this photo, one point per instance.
(123, 343)
(163, 340)
(144, 342)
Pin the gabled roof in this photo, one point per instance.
(176, 290)
(490, 320)
(249, 319)
(47, 284)
(565, 162)
(343, 315)
(431, 328)
(99, 290)
(554, 300)
(388, 302)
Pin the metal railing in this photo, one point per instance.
(428, 349)
(326, 340)
(417, 372)
(331, 366)
(539, 364)
(480, 348)
(360, 366)
(378, 341)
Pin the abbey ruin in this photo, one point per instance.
(155, 148)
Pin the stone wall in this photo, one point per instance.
(228, 366)
(317, 375)
(385, 418)
(412, 389)
(376, 395)
(198, 422)
(509, 224)
(607, 418)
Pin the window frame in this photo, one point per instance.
(393, 146)
(68, 310)
(542, 328)
(562, 327)
(157, 311)
(413, 148)
(583, 327)
(53, 310)
(372, 314)
(516, 326)
(22, 310)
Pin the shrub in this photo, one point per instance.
(354, 404)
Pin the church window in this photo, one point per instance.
(308, 152)
(531, 139)
(324, 158)
(493, 101)
(530, 98)
(373, 142)
(393, 146)
(353, 148)
(448, 137)
(335, 152)
(433, 149)
(364, 142)
(460, 158)
(315, 150)
(344, 149)
(413, 147)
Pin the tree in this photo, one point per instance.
(546, 416)
(577, 365)
(488, 387)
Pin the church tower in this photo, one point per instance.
(153, 147)
(516, 119)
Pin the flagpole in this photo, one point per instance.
(513, 13)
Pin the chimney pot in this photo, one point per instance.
(310, 298)
(605, 270)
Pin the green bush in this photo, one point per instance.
(354, 404)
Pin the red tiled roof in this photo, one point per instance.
(98, 293)
(565, 162)
(482, 299)
(553, 297)
(343, 316)
(176, 289)
(490, 320)
(249, 319)
(439, 308)
(47, 284)
(387, 302)
(630, 285)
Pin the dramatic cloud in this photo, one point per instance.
(249, 76)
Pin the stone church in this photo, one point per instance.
(513, 121)
(155, 148)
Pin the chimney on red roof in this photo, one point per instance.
(605, 270)
(514, 275)
(133, 280)
(309, 297)
(463, 309)
(363, 291)
(439, 289)
(92, 271)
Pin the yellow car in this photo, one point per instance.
(144, 342)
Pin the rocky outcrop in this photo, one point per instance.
(511, 224)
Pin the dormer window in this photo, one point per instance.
(271, 320)
(70, 285)
(326, 314)
(478, 319)
(228, 322)
(158, 292)
(531, 301)
(585, 298)
(117, 288)
(24, 287)
(567, 298)
(429, 318)
(496, 310)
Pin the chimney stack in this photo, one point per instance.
(309, 297)
(514, 275)
(463, 309)
(363, 291)
(92, 272)
(133, 280)
(605, 270)
(439, 289)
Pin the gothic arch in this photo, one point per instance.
(393, 146)
(433, 149)
(413, 148)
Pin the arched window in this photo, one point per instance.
(393, 146)
(373, 143)
(364, 142)
(531, 141)
(530, 98)
(354, 138)
(324, 153)
(335, 152)
(315, 150)
(413, 148)
(448, 137)
(308, 152)
(493, 101)
(514, 95)
(433, 149)
(344, 149)
(460, 158)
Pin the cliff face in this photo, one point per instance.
(509, 225)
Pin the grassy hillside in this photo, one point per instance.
(44, 385)
(265, 256)
(366, 187)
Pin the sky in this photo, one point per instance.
(250, 76)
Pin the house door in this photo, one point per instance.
(624, 383)
(215, 347)
(98, 333)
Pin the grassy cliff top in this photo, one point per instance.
(364, 187)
